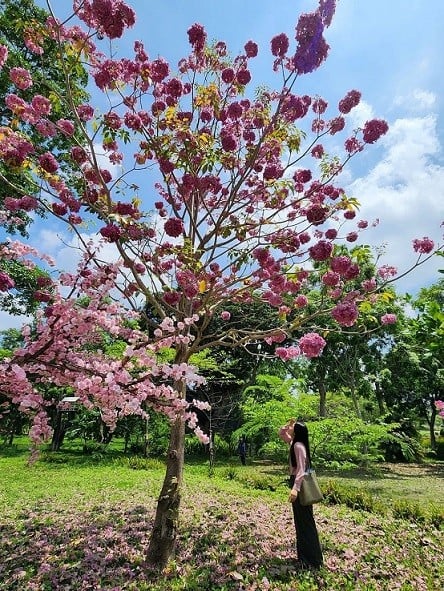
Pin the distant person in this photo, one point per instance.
(307, 540)
(242, 450)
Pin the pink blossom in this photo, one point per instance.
(350, 101)
(16, 104)
(225, 315)
(21, 78)
(353, 145)
(345, 313)
(46, 128)
(174, 227)
(197, 37)
(369, 284)
(79, 155)
(286, 353)
(188, 283)
(349, 214)
(172, 298)
(228, 141)
(3, 55)
(312, 48)
(228, 75)
(317, 151)
(243, 76)
(337, 124)
(110, 18)
(423, 245)
(251, 49)
(301, 301)
(67, 127)
(373, 130)
(319, 106)
(48, 162)
(321, 251)
(387, 272)
(31, 44)
(111, 232)
(6, 282)
(352, 237)
(280, 45)
(331, 233)
(340, 264)
(302, 176)
(331, 278)
(203, 437)
(85, 112)
(159, 70)
(41, 105)
(277, 337)
(312, 344)
(388, 319)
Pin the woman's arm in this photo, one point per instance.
(286, 432)
(301, 458)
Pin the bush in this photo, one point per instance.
(407, 510)
(258, 482)
(335, 494)
(141, 463)
(94, 449)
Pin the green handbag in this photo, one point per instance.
(310, 492)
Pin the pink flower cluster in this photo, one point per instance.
(108, 17)
(312, 344)
(423, 245)
(345, 313)
(6, 282)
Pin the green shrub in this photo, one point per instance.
(258, 482)
(407, 510)
(94, 449)
(230, 473)
(141, 463)
(274, 451)
(335, 494)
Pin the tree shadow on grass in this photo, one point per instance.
(104, 548)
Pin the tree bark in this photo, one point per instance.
(322, 399)
(163, 536)
(433, 443)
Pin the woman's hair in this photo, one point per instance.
(300, 433)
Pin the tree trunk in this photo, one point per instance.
(322, 399)
(163, 537)
(433, 443)
(379, 398)
(58, 434)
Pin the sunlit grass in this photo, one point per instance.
(80, 523)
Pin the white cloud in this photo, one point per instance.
(405, 190)
(360, 114)
(417, 100)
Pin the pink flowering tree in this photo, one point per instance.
(246, 209)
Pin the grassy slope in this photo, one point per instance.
(85, 526)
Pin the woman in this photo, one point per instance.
(307, 540)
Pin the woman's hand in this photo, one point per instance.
(293, 495)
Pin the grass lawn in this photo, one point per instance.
(83, 523)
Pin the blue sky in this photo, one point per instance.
(392, 51)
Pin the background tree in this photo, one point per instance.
(413, 378)
(22, 32)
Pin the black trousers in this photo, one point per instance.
(307, 539)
